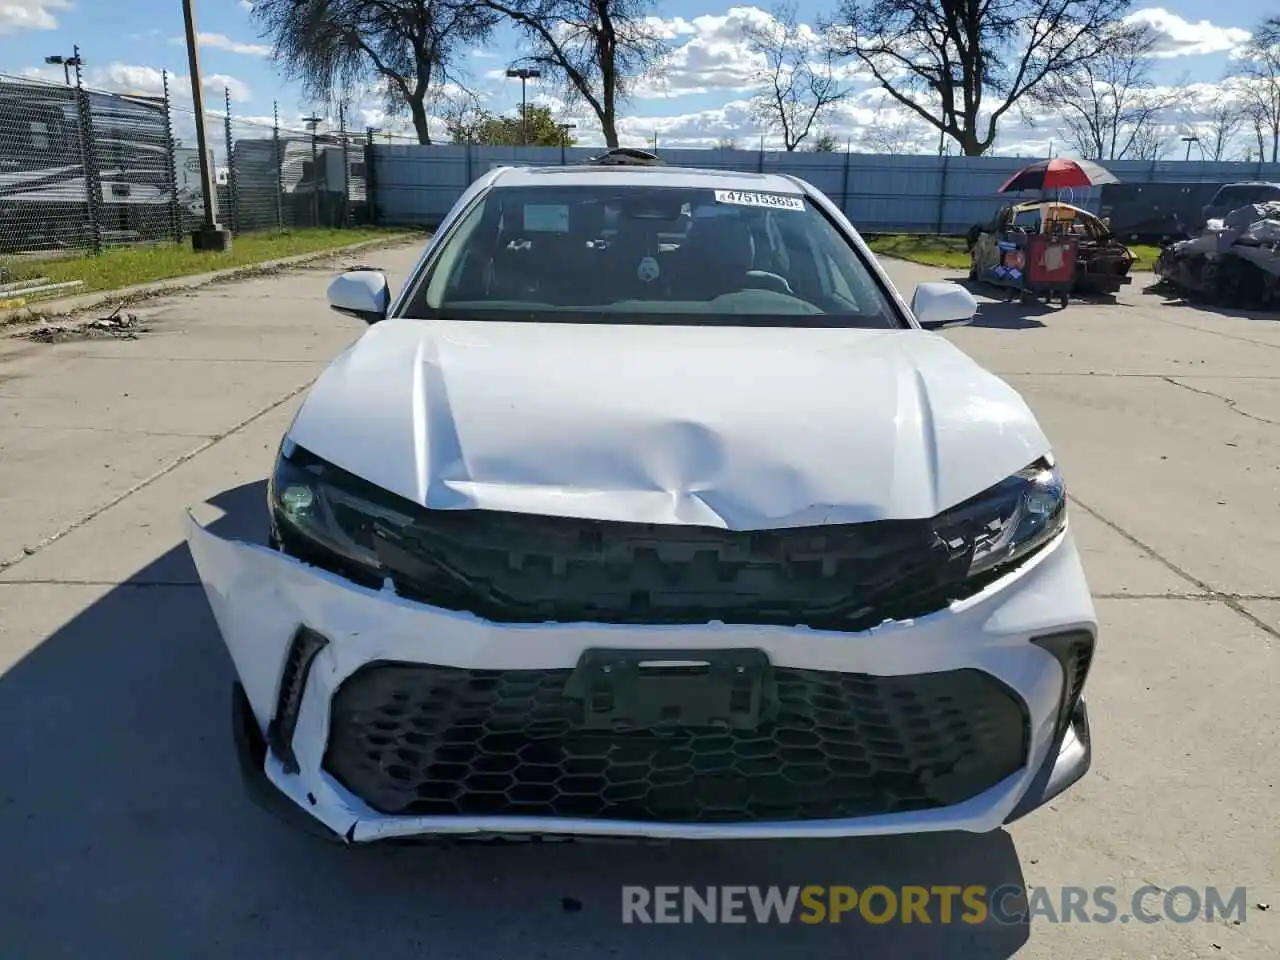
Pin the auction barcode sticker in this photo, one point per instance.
(774, 201)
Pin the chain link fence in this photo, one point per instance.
(80, 169)
(276, 177)
(84, 169)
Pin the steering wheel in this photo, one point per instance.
(771, 281)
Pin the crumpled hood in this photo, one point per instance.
(744, 428)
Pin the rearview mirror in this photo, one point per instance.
(361, 293)
(938, 304)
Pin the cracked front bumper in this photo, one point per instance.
(260, 599)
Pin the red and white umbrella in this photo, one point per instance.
(1058, 174)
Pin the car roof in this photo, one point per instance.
(1250, 183)
(591, 175)
(1045, 204)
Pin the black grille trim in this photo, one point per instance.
(1073, 649)
(412, 739)
(519, 568)
(509, 567)
(306, 644)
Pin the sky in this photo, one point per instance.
(703, 98)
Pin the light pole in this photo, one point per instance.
(524, 75)
(67, 63)
(313, 122)
(1189, 141)
(564, 129)
(211, 236)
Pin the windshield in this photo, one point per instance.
(1244, 195)
(641, 254)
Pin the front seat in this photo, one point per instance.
(714, 258)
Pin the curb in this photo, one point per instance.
(122, 296)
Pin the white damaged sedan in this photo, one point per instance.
(649, 509)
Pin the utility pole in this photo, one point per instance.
(210, 236)
(1189, 141)
(313, 122)
(524, 75)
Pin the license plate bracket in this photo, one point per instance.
(623, 690)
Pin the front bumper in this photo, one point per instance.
(261, 598)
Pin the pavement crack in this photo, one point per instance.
(1170, 595)
(33, 549)
(1232, 404)
(1212, 333)
(119, 430)
(1217, 597)
(117, 584)
(1232, 600)
(1130, 376)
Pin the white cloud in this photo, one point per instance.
(716, 56)
(18, 15)
(149, 82)
(218, 41)
(713, 53)
(222, 83)
(1180, 38)
(701, 128)
(670, 29)
(246, 5)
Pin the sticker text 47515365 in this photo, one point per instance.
(745, 198)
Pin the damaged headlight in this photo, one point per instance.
(1009, 521)
(324, 515)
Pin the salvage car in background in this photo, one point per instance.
(1102, 262)
(1234, 262)
(1233, 196)
(693, 529)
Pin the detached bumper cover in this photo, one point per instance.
(879, 717)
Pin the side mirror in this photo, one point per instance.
(361, 293)
(937, 305)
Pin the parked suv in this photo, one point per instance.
(1232, 196)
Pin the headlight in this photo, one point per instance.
(323, 515)
(1010, 520)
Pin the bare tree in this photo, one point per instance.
(462, 115)
(1150, 143)
(1261, 84)
(893, 133)
(1254, 114)
(801, 82)
(410, 46)
(1221, 120)
(597, 48)
(961, 65)
(1107, 103)
(825, 142)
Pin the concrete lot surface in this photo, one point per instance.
(123, 828)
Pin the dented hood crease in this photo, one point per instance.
(743, 428)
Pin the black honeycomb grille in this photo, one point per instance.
(425, 740)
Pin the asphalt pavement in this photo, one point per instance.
(123, 828)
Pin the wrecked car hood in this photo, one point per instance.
(735, 427)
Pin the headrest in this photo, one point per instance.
(723, 240)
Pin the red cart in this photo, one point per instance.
(1034, 265)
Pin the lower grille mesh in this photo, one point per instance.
(411, 739)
